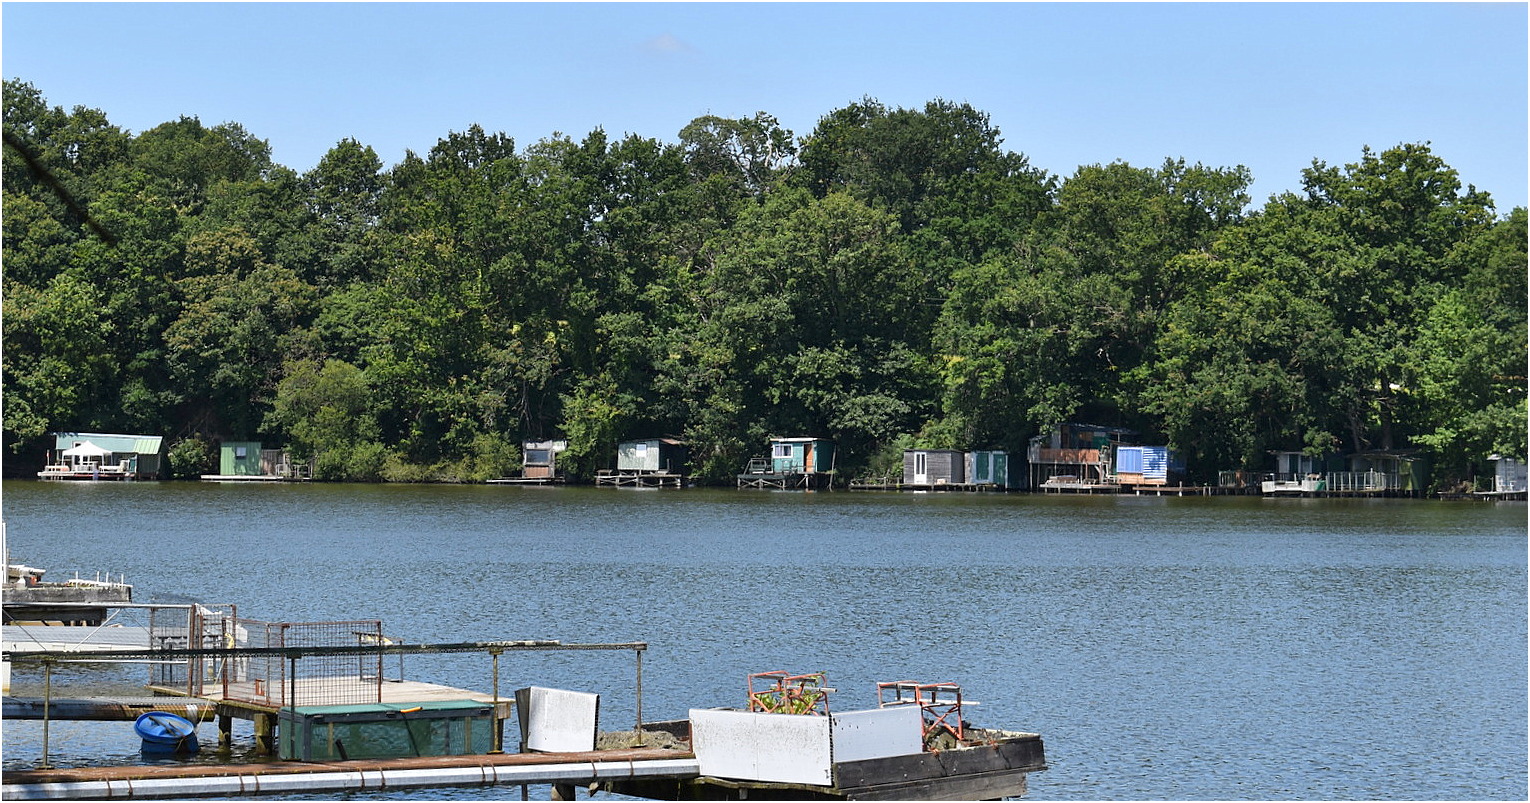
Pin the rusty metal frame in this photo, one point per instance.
(789, 694)
(939, 715)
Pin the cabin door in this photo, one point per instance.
(921, 468)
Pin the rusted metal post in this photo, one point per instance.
(499, 724)
(639, 727)
(292, 696)
(47, 701)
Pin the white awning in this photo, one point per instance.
(86, 449)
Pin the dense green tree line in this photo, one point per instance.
(895, 277)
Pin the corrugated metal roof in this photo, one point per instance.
(137, 444)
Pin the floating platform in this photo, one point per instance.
(72, 640)
(786, 482)
(1500, 496)
(251, 478)
(993, 765)
(109, 474)
(639, 479)
(102, 709)
(1171, 490)
(958, 487)
(527, 481)
(1079, 487)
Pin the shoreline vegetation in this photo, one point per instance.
(895, 278)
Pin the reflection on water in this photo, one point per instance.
(1172, 648)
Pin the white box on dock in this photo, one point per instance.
(557, 721)
(799, 748)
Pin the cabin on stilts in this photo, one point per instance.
(1076, 457)
(651, 463)
(794, 464)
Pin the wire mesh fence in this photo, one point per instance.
(278, 680)
(188, 627)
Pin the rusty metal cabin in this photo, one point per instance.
(1075, 456)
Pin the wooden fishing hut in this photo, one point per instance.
(1299, 474)
(944, 470)
(1510, 478)
(801, 463)
(1370, 473)
(651, 463)
(1076, 457)
(539, 464)
(1385, 473)
(990, 468)
(934, 467)
(247, 461)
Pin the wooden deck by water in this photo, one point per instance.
(635, 479)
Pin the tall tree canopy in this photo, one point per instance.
(893, 277)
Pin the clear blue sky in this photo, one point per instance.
(1268, 85)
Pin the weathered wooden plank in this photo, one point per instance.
(988, 786)
(1016, 754)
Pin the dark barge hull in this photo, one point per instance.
(987, 771)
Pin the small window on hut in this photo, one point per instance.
(640, 451)
(537, 456)
(781, 450)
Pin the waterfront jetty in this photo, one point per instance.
(787, 744)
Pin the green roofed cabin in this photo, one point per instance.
(104, 456)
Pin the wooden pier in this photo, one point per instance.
(639, 479)
(935, 487)
(795, 481)
(1170, 490)
(906, 749)
(1067, 487)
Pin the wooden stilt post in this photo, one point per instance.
(265, 735)
(499, 724)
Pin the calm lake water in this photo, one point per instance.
(1176, 648)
